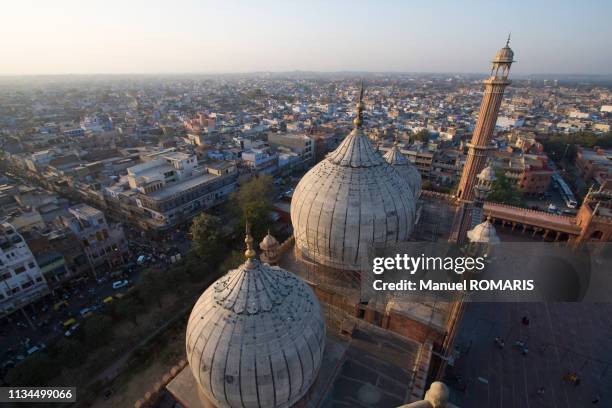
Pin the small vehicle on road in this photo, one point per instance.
(71, 330)
(86, 311)
(69, 322)
(120, 284)
(36, 349)
(8, 364)
(143, 259)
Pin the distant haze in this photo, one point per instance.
(225, 36)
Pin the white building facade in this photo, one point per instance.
(21, 280)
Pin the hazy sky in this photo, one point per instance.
(182, 36)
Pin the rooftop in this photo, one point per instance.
(170, 189)
(151, 171)
(372, 368)
(600, 156)
(85, 211)
(176, 156)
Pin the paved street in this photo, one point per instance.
(562, 338)
(48, 322)
(15, 329)
(543, 203)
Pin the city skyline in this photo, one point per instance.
(127, 202)
(208, 38)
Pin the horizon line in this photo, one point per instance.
(161, 73)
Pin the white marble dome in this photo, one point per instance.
(406, 169)
(487, 175)
(255, 338)
(349, 201)
(268, 243)
(484, 233)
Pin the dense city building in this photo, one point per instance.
(104, 245)
(21, 279)
(100, 183)
(594, 165)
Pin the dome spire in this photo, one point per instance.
(508, 40)
(248, 240)
(359, 119)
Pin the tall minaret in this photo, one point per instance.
(489, 109)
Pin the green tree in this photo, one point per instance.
(563, 147)
(152, 286)
(35, 371)
(422, 135)
(112, 311)
(98, 330)
(504, 191)
(70, 352)
(233, 260)
(130, 309)
(206, 237)
(180, 276)
(253, 201)
(255, 93)
(194, 267)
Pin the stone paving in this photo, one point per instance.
(562, 338)
(376, 372)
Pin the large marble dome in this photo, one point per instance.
(406, 169)
(349, 201)
(255, 338)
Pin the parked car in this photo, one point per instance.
(32, 350)
(86, 311)
(120, 284)
(8, 364)
(108, 299)
(142, 259)
(60, 305)
(72, 329)
(69, 322)
(36, 349)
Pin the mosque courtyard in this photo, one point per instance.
(561, 338)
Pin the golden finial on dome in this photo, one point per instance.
(508, 40)
(359, 119)
(248, 240)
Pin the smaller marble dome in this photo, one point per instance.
(269, 243)
(406, 169)
(255, 338)
(487, 175)
(270, 249)
(484, 233)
